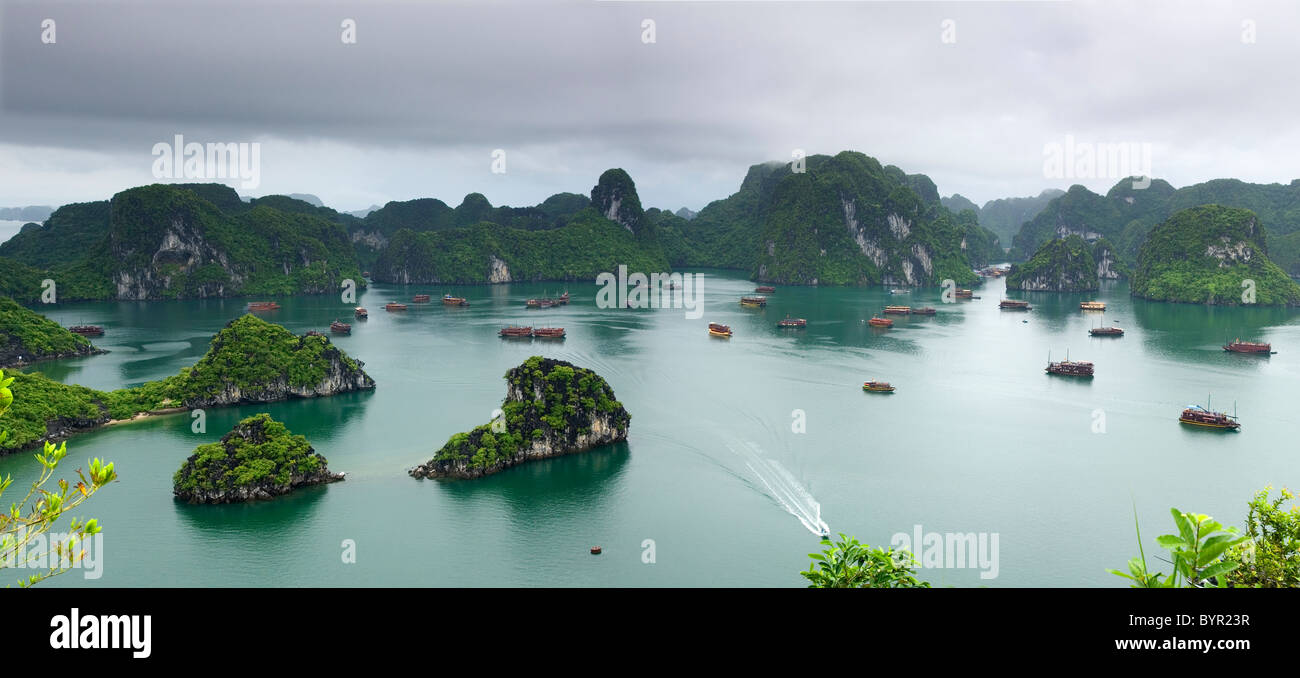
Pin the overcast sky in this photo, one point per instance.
(417, 105)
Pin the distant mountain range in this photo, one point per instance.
(32, 213)
(1004, 216)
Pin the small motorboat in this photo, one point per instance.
(719, 330)
(880, 322)
(595, 550)
(420, 299)
(361, 313)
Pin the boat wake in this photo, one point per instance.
(782, 486)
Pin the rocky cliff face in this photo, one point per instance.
(614, 196)
(552, 408)
(1109, 265)
(257, 460)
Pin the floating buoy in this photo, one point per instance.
(595, 550)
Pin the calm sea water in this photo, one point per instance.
(977, 439)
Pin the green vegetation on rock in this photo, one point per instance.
(259, 459)
(1211, 255)
(27, 336)
(552, 408)
(1061, 265)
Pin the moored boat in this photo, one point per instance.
(925, 310)
(448, 300)
(515, 331)
(87, 330)
(549, 333)
(965, 294)
(877, 386)
(1112, 331)
(1239, 346)
(753, 302)
(1070, 368)
(768, 289)
(263, 306)
(880, 322)
(898, 310)
(361, 313)
(1014, 305)
(420, 299)
(314, 333)
(1092, 305)
(1201, 416)
(339, 327)
(719, 330)
(394, 306)
(792, 323)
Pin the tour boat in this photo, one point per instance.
(1014, 305)
(768, 289)
(1069, 368)
(1111, 331)
(87, 330)
(394, 306)
(1201, 416)
(795, 323)
(361, 313)
(877, 387)
(263, 306)
(549, 333)
(1092, 305)
(965, 294)
(753, 302)
(595, 550)
(900, 291)
(314, 333)
(881, 322)
(338, 327)
(420, 299)
(516, 331)
(898, 310)
(448, 300)
(927, 310)
(719, 330)
(1239, 346)
(547, 302)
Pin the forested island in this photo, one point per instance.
(552, 408)
(27, 336)
(259, 459)
(249, 361)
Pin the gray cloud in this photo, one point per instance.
(568, 89)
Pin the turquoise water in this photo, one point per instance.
(977, 439)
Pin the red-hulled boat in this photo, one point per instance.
(339, 327)
(448, 300)
(768, 289)
(549, 333)
(361, 313)
(880, 322)
(1014, 305)
(926, 310)
(87, 330)
(420, 299)
(514, 331)
(394, 306)
(1239, 346)
(263, 306)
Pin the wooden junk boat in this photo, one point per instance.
(898, 310)
(719, 330)
(877, 387)
(1239, 346)
(420, 299)
(792, 323)
(549, 333)
(1014, 305)
(753, 302)
(514, 331)
(766, 289)
(927, 310)
(1092, 306)
(965, 294)
(361, 313)
(1204, 416)
(87, 330)
(1112, 331)
(880, 322)
(394, 306)
(263, 306)
(339, 327)
(547, 302)
(1069, 368)
(448, 300)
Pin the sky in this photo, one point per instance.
(980, 96)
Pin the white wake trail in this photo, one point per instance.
(784, 488)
